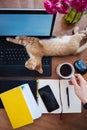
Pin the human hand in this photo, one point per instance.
(80, 86)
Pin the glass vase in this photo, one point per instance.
(73, 16)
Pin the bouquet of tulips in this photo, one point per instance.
(73, 9)
(62, 6)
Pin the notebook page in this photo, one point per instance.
(75, 103)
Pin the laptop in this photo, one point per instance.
(23, 22)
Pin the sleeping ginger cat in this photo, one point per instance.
(36, 48)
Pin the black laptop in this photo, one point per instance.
(17, 22)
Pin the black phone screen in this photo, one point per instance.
(48, 98)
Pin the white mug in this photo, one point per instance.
(65, 70)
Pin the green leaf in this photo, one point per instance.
(85, 12)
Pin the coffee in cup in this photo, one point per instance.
(65, 70)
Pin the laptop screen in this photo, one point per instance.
(26, 22)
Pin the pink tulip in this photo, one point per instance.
(79, 5)
(50, 7)
(61, 8)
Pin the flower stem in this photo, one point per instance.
(73, 16)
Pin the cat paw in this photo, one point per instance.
(76, 29)
(7, 39)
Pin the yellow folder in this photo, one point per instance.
(16, 107)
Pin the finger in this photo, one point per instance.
(74, 82)
(70, 82)
(79, 76)
(80, 80)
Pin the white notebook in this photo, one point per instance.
(31, 102)
(58, 88)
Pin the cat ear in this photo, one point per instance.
(32, 66)
(40, 70)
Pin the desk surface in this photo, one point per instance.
(52, 121)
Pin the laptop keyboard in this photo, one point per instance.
(13, 56)
(16, 55)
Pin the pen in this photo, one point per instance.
(67, 93)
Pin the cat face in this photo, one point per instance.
(34, 64)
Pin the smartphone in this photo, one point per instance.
(48, 98)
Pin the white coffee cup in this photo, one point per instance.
(65, 70)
